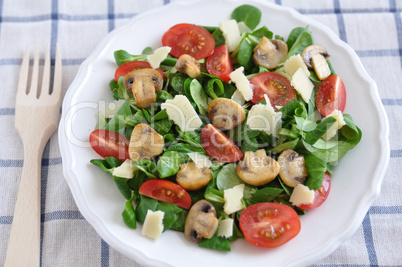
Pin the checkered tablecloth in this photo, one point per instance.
(373, 28)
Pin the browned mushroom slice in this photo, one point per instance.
(225, 113)
(143, 83)
(269, 53)
(315, 56)
(293, 169)
(190, 177)
(201, 221)
(145, 143)
(257, 168)
(188, 65)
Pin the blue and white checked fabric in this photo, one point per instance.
(372, 27)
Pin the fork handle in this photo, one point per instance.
(24, 243)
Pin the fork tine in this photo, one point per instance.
(35, 73)
(46, 74)
(23, 78)
(57, 81)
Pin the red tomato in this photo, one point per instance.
(269, 225)
(219, 63)
(277, 87)
(331, 95)
(218, 145)
(125, 68)
(189, 39)
(166, 191)
(109, 144)
(320, 195)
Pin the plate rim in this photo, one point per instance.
(330, 246)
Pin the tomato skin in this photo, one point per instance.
(219, 63)
(320, 195)
(109, 144)
(269, 225)
(166, 191)
(331, 95)
(218, 145)
(189, 39)
(277, 87)
(125, 68)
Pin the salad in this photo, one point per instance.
(224, 132)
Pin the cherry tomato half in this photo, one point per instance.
(277, 87)
(219, 63)
(269, 225)
(189, 39)
(166, 191)
(109, 144)
(331, 95)
(125, 68)
(218, 145)
(319, 195)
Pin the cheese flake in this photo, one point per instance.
(153, 224)
(243, 27)
(263, 118)
(225, 228)
(231, 32)
(269, 104)
(337, 114)
(238, 98)
(180, 110)
(302, 195)
(111, 108)
(243, 85)
(159, 55)
(200, 160)
(302, 84)
(294, 63)
(233, 197)
(125, 170)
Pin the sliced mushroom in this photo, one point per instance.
(145, 143)
(188, 65)
(190, 177)
(225, 113)
(257, 168)
(269, 53)
(293, 169)
(143, 83)
(315, 56)
(201, 221)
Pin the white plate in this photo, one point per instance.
(323, 229)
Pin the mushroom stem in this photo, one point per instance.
(144, 92)
(315, 56)
(320, 66)
(144, 83)
(186, 64)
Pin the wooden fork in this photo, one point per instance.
(36, 118)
